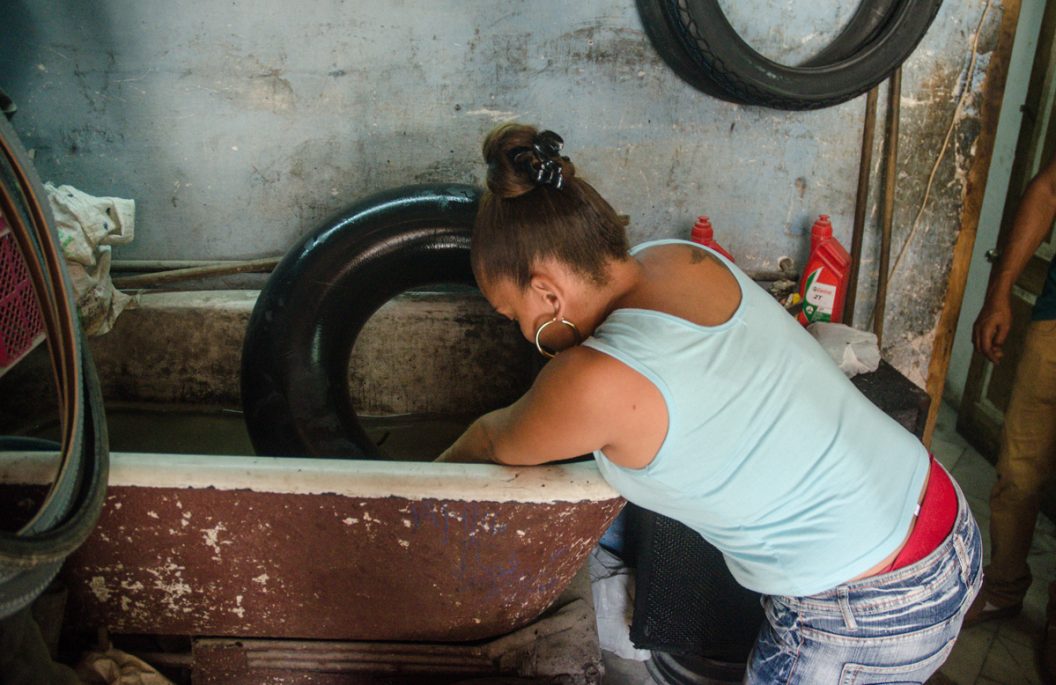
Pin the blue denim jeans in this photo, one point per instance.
(893, 628)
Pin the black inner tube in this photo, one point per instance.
(295, 392)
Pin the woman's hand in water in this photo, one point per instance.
(453, 455)
(475, 445)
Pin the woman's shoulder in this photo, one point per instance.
(627, 408)
(586, 367)
(678, 257)
(686, 281)
(663, 247)
(591, 375)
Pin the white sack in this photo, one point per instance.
(87, 227)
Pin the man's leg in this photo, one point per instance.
(1028, 452)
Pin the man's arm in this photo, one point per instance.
(1033, 219)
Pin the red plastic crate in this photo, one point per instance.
(21, 318)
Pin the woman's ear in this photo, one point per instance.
(544, 287)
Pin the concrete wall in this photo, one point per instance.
(237, 126)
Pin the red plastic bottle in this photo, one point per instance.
(704, 234)
(823, 287)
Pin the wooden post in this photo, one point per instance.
(993, 90)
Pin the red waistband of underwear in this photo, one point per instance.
(938, 512)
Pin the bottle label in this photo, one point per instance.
(818, 298)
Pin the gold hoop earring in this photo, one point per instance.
(539, 331)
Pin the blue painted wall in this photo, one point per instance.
(238, 126)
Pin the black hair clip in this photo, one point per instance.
(542, 159)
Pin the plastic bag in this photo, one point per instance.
(612, 584)
(854, 351)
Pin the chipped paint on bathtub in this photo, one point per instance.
(346, 564)
(169, 582)
(99, 589)
(212, 539)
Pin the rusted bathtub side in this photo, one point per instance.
(323, 549)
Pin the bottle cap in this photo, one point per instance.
(822, 227)
(702, 230)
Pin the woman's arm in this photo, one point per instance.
(582, 401)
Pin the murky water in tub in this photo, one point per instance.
(406, 437)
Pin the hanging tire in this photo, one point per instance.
(295, 392)
(699, 44)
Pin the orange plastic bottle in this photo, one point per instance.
(823, 287)
(704, 234)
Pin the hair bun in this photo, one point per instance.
(520, 159)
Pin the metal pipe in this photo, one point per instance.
(861, 202)
(215, 269)
(152, 265)
(887, 208)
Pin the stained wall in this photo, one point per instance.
(238, 126)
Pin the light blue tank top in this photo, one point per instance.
(771, 454)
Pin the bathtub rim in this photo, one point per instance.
(573, 482)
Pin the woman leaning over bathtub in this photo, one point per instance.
(702, 400)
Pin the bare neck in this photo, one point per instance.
(622, 279)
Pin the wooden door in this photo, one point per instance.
(989, 386)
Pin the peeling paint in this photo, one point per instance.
(212, 539)
(99, 589)
(491, 565)
(498, 116)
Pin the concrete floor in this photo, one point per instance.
(995, 653)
